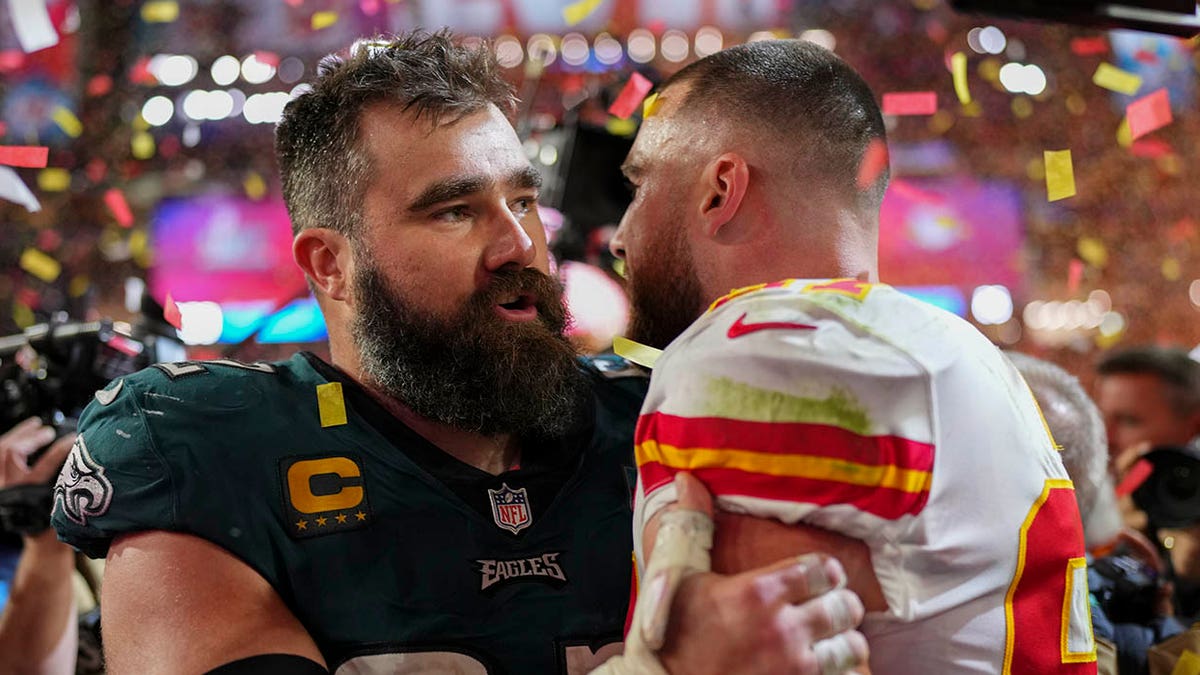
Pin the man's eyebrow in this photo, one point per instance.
(446, 190)
(525, 177)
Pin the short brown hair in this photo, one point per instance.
(325, 173)
(804, 96)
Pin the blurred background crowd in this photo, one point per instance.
(159, 190)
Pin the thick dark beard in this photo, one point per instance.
(473, 371)
(665, 299)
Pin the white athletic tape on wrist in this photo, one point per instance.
(681, 549)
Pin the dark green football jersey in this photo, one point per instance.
(393, 555)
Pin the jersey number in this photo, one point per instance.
(1048, 621)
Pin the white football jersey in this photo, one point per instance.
(854, 408)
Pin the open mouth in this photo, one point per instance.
(518, 307)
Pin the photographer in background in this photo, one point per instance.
(1149, 396)
(1132, 605)
(38, 630)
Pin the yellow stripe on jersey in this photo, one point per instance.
(791, 465)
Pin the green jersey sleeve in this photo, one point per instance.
(114, 480)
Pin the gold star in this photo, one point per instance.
(341, 517)
(360, 515)
(301, 524)
(321, 521)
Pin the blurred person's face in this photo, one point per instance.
(1137, 409)
(455, 313)
(665, 291)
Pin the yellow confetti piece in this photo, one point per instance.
(79, 285)
(1060, 175)
(142, 145)
(1092, 251)
(989, 69)
(1022, 107)
(1188, 664)
(68, 122)
(1036, 170)
(1171, 269)
(40, 265)
(1076, 105)
(1113, 78)
(331, 404)
(618, 266)
(255, 186)
(1124, 135)
(621, 127)
(941, 121)
(324, 20)
(160, 11)
(53, 179)
(972, 109)
(139, 248)
(22, 316)
(578, 11)
(650, 106)
(140, 123)
(958, 66)
(636, 352)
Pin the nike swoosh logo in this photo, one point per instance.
(740, 327)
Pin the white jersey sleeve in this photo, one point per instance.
(854, 408)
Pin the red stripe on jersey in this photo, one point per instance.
(784, 438)
(886, 503)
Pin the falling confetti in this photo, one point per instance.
(31, 22)
(958, 67)
(1136, 475)
(910, 103)
(171, 312)
(68, 122)
(331, 404)
(13, 189)
(631, 96)
(650, 106)
(255, 186)
(874, 163)
(1060, 175)
(160, 11)
(114, 199)
(1093, 251)
(30, 156)
(578, 11)
(1149, 113)
(141, 144)
(324, 20)
(1114, 79)
(40, 265)
(1074, 275)
(1089, 46)
(54, 180)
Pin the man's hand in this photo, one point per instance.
(18, 443)
(790, 617)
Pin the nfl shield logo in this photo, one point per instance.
(510, 508)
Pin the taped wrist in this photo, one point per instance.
(681, 549)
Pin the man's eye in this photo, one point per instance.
(452, 214)
(523, 206)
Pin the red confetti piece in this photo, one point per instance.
(32, 156)
(99, 85)
(96, 170)
(171, 312)
(911, 192)
(1074, 275)
(294, 3)
(1137, 474)
(48, 240)
(1143, 56)
(1149, 113)
(910, 103)
(874, 162)
(369, 7)
(631, 96)
(29, 297)
(269, 58)
(139, 72)
(1089, 46)
(1182, 231)
(1152, 148)
(114, 199)
(11, 59)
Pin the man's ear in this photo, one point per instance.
(327, 258)
(725, 181)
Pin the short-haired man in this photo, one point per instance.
(1149, 396)
(833, 413)
(450, 493)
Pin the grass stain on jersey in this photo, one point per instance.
(729, 398)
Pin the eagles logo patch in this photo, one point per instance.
(82, 490)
